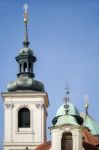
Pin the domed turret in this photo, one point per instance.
(67, 114)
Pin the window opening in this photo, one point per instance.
(66, 142)
(25, 67)
(24, 118)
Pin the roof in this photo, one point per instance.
(25, 51)
(44, 146)
(89, 138)
(72, 110)
(25, 83)
(88, 146)
(91, 124)
(66, 119)
(73, 117)
(90, 142)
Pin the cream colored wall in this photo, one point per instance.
(57, 132)
(37, 104)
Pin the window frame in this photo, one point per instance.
(26, 113)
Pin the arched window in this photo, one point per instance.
(66, 142)
(24, 118)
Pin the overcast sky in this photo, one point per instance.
(64, 36)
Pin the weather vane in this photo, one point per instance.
(66, 99)
(86, 104)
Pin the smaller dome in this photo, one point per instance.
(25, 51)
(72, 110)
(91, 124)
(73, 116)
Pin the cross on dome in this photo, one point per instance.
(66, 99)
(25, 7)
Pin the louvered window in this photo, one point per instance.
(66, 142)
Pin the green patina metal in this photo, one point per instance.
(72, 110)
(67, 119)
(72, 117)
(91, 124)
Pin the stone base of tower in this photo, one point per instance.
(20, 146)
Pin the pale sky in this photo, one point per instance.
(64, 36)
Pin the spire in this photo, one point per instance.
(26, 42)
(86, 105)
(26, 60)
(66, 99)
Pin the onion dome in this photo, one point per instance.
(26, 60)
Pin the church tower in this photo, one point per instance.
(66, 131)
(25, 103)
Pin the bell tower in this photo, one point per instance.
(25, 103)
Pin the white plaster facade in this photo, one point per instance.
(57, 132)
(16, 138)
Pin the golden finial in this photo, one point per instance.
(25, 12)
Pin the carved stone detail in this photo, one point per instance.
(9, 105)
(38, 105)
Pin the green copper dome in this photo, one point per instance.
(91, 124)
(67, 119)
(72, 117)
(72, 110)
